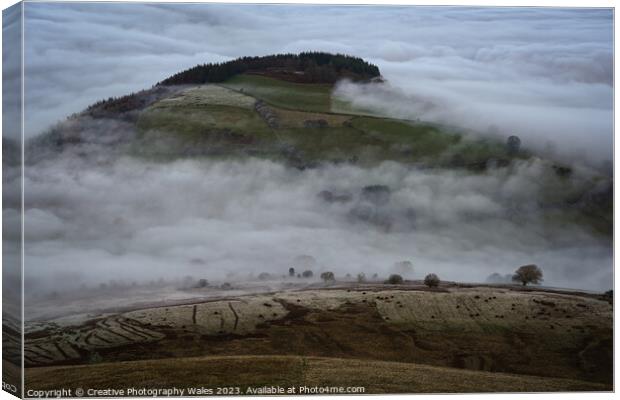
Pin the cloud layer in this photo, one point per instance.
(132, 220)
(541, 73)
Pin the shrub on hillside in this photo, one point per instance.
(431, 280)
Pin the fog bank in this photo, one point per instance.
(130, 220)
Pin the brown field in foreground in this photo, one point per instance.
(293, 371)
(387, 338)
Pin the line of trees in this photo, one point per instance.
(319, 67)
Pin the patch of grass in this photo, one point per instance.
(407, 140)
(369, 140)
(208, 95)
(198, 130)
(198, 120)
(316, 144)
(294, 371)
(288, 95)
(296, 119)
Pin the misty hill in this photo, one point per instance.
(284, 108)
(280, 107)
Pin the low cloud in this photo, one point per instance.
(568, 129)
(132, 220)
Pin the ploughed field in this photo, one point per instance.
(400, 338)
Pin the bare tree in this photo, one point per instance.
(528, 274)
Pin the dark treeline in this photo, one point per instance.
(308, 67)
(117, 104)
(126, 103)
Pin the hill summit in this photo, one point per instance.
(306, 67)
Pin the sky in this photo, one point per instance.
(541, 73)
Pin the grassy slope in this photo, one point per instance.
(293, 371)
(198, 111)
(367, 138)
(288, 95)
(194, 121)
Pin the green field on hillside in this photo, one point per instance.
(216, 114)
(414, 140)
(297, 96)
